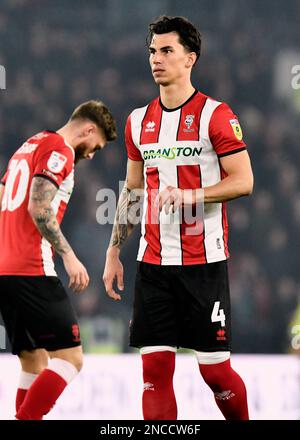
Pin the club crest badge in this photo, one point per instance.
(188, 122)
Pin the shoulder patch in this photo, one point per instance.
(236, 129)
(56, 162)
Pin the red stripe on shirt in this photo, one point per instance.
(151, 124)
(191, 234)
(152, 232)
(61, 211)
(188, 128)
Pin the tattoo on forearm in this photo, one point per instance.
(41, 194)
(124, 220)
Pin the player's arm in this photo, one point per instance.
(124, 223)
(227, 140)
(237, 183)
(42, 192)
(123, 226)
(226, 136)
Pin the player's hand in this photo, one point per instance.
(78, 276)
(172, 198)
(113, 270)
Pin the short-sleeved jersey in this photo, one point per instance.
(23, 250)
(182, 148)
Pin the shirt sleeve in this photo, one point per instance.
(55, 162)
(132, 151)
(225, 131)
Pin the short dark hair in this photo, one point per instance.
(189, 36)
(97, 112)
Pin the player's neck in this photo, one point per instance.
(66, 133)
(175, 95)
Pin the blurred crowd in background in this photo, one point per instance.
(58, 54)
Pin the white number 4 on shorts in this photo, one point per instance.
(218, 314)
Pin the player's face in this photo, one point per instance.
(93, 139)
(169, 60)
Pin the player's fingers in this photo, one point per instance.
(160, 198)
(71, 282)
(112, 294)
(77, 282)
(120, 280)
(167, 206)
(176, 204)
(156, 201)
(108, 282)
(163, 197)
(159, 202)
(169, 202)
(83, 281)
(86, 279)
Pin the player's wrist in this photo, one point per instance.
(192, 196)
(198, 195)
(113, 251)
(67, 254)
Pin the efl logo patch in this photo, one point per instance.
(236, 129)
(56, 162)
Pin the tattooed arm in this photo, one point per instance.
(125, 220)
(42, 192)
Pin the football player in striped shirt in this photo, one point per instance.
(38, 315)
(187, 151)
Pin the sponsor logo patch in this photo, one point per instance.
(236, 129)
(150, 127)
(148, 386)
(56, 162)
(221, 335)
(224, 395)
(171, 153)
(75, 333)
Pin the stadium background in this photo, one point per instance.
(60, 53)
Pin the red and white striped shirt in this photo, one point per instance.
(181, 147)
(23, 250)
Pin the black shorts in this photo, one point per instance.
(37, 313)
(182, 306)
